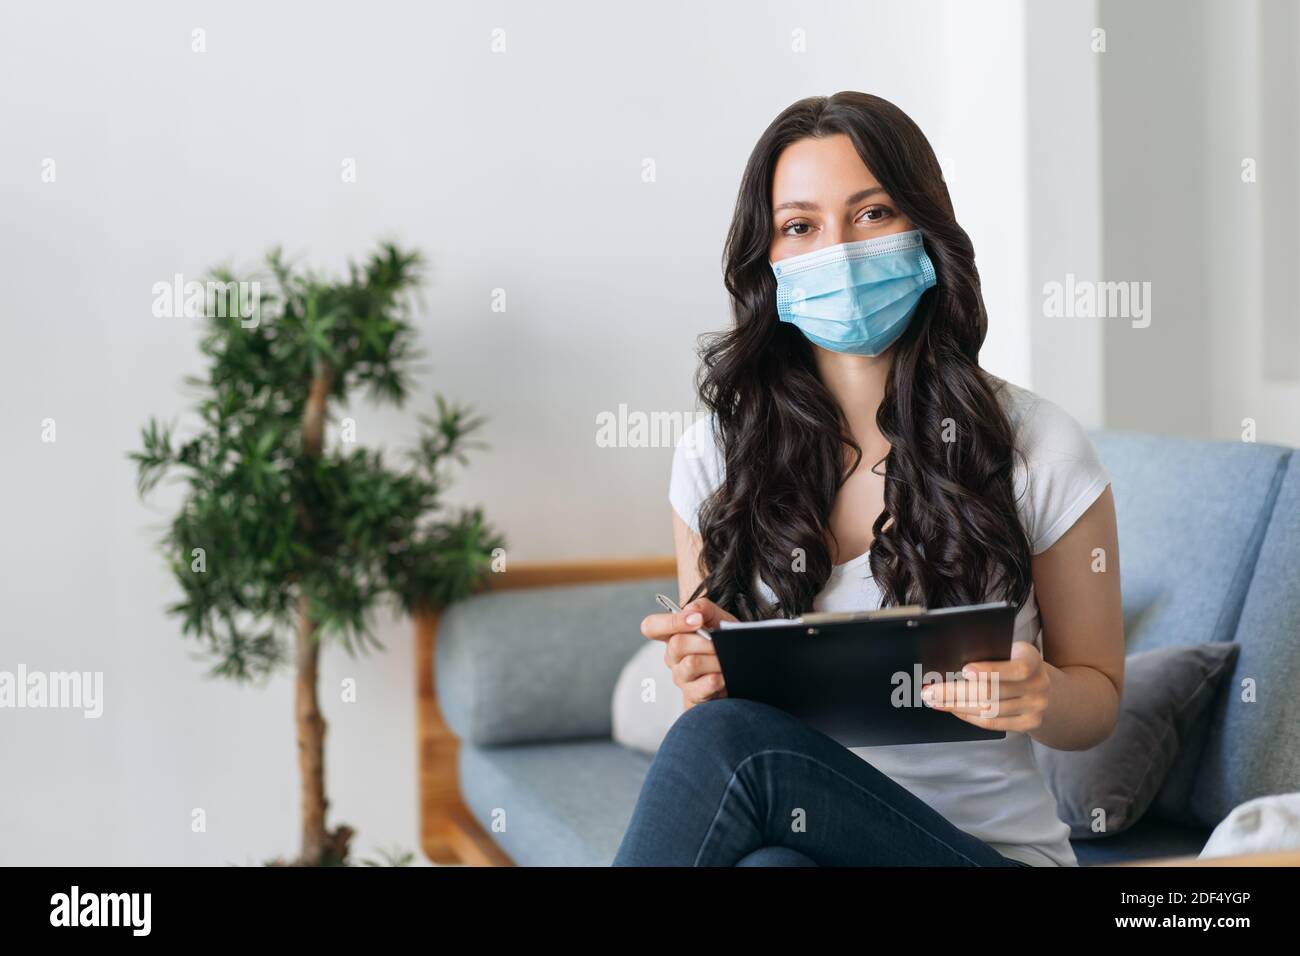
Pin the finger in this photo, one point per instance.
(693, 666)
(657, 626)
(700, 613)
(660, 627)
(679, 645)
(1023, 663)
(704, 688)
(945, 695)
(1007, 671)
(992, 708)
(711, 614)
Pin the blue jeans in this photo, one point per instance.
(739, 783)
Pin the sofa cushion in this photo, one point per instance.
(1251, 747)
(539, 663)
(1167, 692)
(562, 804)
(1192, 516)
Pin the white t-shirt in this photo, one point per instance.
(992, 789)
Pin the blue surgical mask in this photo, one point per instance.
(855, 297)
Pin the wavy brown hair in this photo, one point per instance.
(949, 533)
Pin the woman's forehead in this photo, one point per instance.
(820, 170)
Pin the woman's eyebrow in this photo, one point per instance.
(813, 207)
(859, 196)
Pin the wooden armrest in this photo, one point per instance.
(556, 573)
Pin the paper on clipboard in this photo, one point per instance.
(827, 617)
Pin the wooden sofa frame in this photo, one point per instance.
(449, 834)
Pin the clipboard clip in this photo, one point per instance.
(840, 617)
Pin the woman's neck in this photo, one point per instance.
(858, 384)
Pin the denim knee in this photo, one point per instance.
(733, 728)
(775, 856)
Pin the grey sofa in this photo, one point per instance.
(1209, 551)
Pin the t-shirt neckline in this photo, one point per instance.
(851, 562)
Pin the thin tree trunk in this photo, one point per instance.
(311, 724)
(313, 416)
(311, 739)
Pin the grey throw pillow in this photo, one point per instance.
(1105, 790)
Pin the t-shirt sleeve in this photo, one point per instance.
(1064, 473)
(696, 473)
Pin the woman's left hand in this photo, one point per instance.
(998, 695)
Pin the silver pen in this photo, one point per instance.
(671, 605)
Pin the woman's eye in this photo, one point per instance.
(877, 213)
(788, 230)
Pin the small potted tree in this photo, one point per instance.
(283, 541)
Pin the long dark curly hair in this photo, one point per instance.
(949, 533)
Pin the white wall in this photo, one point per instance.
(1189, 90)
(519, 171)
(1254, 245)
(1065, 207)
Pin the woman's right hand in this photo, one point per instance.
(691, 658)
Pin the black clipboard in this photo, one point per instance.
(857, 677)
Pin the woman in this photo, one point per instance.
(858, 325)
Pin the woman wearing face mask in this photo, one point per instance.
(855, 455)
